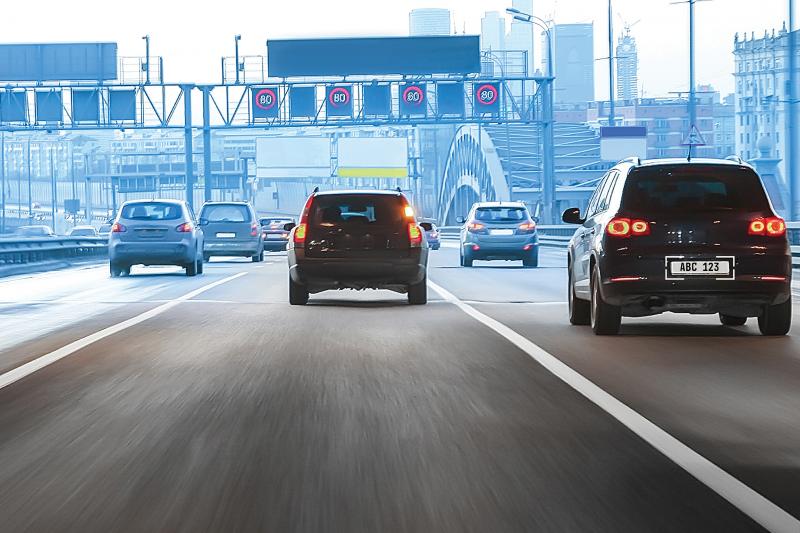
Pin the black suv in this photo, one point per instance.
(357, 240)
(680, 236)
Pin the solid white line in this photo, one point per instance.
(40, 362)
(747, 500)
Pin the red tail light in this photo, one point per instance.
(626, 227)
(301, 230)
(771, 227)
(254, 230)
(414, 235)
(475, 227)
(118, 228)
(186, 227)
(300, 233)
(527, 227)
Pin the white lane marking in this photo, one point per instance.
(40, 362)
(747, 500)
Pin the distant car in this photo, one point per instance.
(696, 237)
(431, 234)
(105, 229)
(499, 231)
(83, 231)
(34, 231)
(357, 240)
(275, 235)
(155, 232)
(231, 228)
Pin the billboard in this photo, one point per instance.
(372, 157)
(458, 54)
(293, 157)
(60, 61)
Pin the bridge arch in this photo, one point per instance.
(473, 173)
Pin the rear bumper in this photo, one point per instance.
(234, 247)
(153, 253)
(275, 244)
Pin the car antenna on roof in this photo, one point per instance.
(398, 189)
(316, 189)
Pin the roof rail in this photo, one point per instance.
(635, 160)
(736, 158)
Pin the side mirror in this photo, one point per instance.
(572, 216)
(461, 220)
(427, 226)
(289, 226)
(204, 222)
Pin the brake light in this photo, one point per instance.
(118, 228)
(254, 230)
(527, 227)
(186, 227)
(771, 227)
(414, 235)
(408, 211)
(475, 227)
(301, 229)
(625, 227)
(300, 233)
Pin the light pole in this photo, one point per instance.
(611, 118)
(791, 97)
(692, 104)
(146, 65)
(548, 137)
(236, 40)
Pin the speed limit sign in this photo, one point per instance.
(487, 98)
(339, 101)
(265, 102)
(413, 99)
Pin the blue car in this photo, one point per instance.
(431, 234)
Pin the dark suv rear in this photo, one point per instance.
(357, 240)
(687, 237)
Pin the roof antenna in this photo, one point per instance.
(689, 156)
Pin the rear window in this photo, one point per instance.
(683, 188)
(226, 213)
(501, 214)
(329, 210)
(152, 211)
(83, 232)
(268, 221)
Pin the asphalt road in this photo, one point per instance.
(209, 404)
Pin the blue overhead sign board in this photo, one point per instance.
(58, 62)
(458, 54)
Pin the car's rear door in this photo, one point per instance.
(232, 223)
(151, 222)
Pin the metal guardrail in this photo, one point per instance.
(16, 251)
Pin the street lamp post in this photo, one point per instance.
(791, 97)
(548, 137)
(611, 118)
(236, 40)
(146, 66)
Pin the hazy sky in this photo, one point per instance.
(193, 35)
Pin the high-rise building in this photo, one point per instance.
(574, 62)
(493, 31)
(627, 67)
(520, 34)
(429, 21)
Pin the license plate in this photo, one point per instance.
(716, 268)
(226, 235)
(274, 236)
(501, 232)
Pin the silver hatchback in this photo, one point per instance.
(155, 232)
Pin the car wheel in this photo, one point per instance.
(776, 320)
(206, 258)
(191, 269)
(579, 310)
(115, 270)
(418, 292)
(298, 294)
(466, 259)
(605, 318)
(258, 257)
(532, 259)
(729, 320)
(199, 266)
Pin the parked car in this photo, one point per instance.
(155, 232)
(231, 229)
(499, 231)
(431, 234)
(274, 233)
(357, 240)
(695, 237)
(83, 231)
(34, 231)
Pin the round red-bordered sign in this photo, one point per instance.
(339, 96)
(482, 91)
(413, 95)
(270, 99)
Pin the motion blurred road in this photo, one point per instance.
(212, 405)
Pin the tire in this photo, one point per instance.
(418, 292)
(532, 260)
(259, 257)
(466, 259)
(580, 311)
(206, 258)
(728, 320)
(199, 266)
(298, 294)
(115, 270)
(776, 320)
(605, 319)
(191, 269)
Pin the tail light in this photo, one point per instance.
(254, 230)
(408, 211)
(301, 229)
(118, 228)
(414, 235)
(527, 227)
(475, 227)
(771, 227)
(186, 227)
(626, 227)
(300, 233)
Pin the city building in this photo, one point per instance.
(520, 34)
(761, 68)
(429, 21)
(627, 67)
(725, 126)
(493, 31)
(574, 62)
